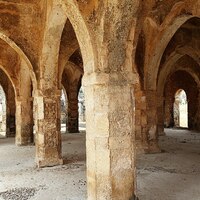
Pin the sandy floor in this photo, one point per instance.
(67, 182)
(172, 175)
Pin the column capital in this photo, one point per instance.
(21, 99)
(41, 93)
(114, 78)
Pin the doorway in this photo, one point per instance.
(180, 109)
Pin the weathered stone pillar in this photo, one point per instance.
(10, 112)
(169, 112)
(48, 137)
(152, 122)
(196, 121)
(160, 114)
(10, 125)
(110, 142)
(3, 119)
(72, 122)
(140, 120)
(24, 121)
(24, 108)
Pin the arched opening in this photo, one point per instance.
(73, 104)
(81, 111)
(18, 110)
(177, 105)
(18, 82)
(180, 105)
(8, 105)
(17, 71)
(103, 142)
(180, 109)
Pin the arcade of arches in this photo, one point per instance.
(130, 57)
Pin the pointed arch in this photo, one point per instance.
(22, 56)
(168, 69)
(83, 34)
(59, 13)
(175, 19)
(13, 82)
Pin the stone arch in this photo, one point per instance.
(71, 80)
(49, 91)
(19, 72)
(139, 57)
(97, 89)
(174, 63)
(13, 82)
(9, 91)
(175, 19)
(22, 56)
(177, 81)
(59, 13)
(83, 35)
(167, 70)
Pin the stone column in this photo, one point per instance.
(24, 107)
(73, 115)
(10, 112)
(110, 142)
(196, 121)
(10, 124)
(160, 113)
(24, 121)
(169, 112)
(48, 137)
(152, 122)
(3, 126)
(3, 119)
(140, 120)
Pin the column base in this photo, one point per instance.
(19, 142)
(10, 135)
(153, 148)
(73, 131)
(162, 133)
(73, 126)
(134, 197)
(140, 150)
(140, 147)
(49, 162)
